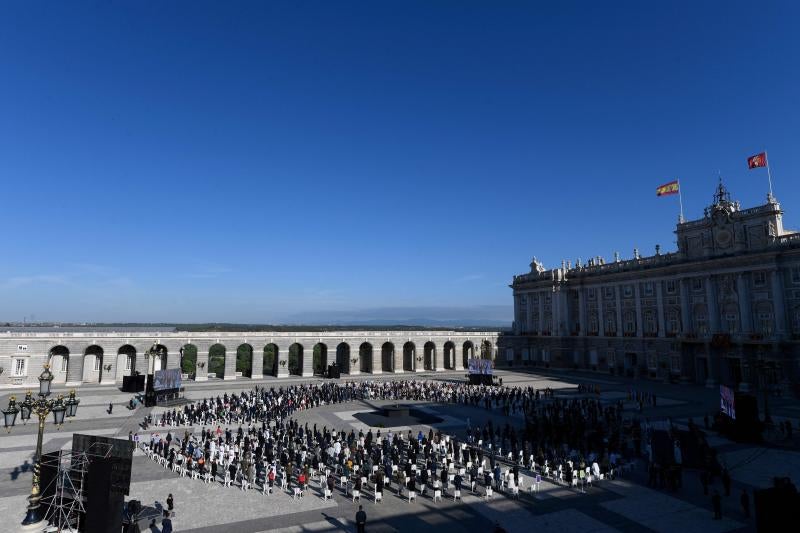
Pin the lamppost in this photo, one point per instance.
(41, 407)
(155, 350)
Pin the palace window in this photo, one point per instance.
(675, 364)
(590, 294)
(731, 322)
(697, 284)
(672, 321)
(701, 320)
(765, 321)
(609, 293)
(523, 300)
(627, 291)
(128, 362)
(96, 363)
(611, 324)
(648, 288)
(650, 326)
(652, 361)
(759, 279)
(64, 363)
(796, 274)
(629, 322)
(593, 323)
(670, 286)
(19, 367)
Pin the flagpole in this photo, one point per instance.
(680, 201)
(769, 175)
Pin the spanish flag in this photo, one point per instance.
(668, 188)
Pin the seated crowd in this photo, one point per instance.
(568, 440)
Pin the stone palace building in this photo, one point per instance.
(723, 308)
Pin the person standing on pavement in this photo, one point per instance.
(166, 523)
(110, 407)
(745, 501)
(361, 519)
(716, 503)
(170, 503)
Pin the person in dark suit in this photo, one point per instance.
(166, 523)
(361, 519)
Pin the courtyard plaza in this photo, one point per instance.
(622, 504)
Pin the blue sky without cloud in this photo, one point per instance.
(254, 161)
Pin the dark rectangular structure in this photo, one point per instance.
(121, 456)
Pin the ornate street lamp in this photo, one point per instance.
(41, 407)
(155, 350)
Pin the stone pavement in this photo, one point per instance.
(620, 505)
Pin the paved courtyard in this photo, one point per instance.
(619, 505)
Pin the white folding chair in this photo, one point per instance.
(298, 493)
(356, 495)
(456, 495)
(437, 494)
(412, 496)
(378, 497)
(489, 492)
(328, 494)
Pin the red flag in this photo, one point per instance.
(758, 160)
(668, 188)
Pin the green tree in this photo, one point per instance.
(244, 360)
(216, 360)
(270, 358)
(189, 363)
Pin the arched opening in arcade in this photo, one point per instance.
(216, 360)
(59, 363)
(343, 357)
(365, 357)
(160, 361)
(189, 360)
(295, 359)
(468, 352)
(244, 360)
(486, 350)
(93, 364)
(126, 361)
(449, 355)
(387, 357)
(408, 357)
(320, 361)
(429, 355)
(270, 361)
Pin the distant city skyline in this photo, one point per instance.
(287, 161)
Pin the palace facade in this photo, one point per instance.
(723, 308)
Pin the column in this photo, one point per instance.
(419, 366)
(660, 308)
(355, 353)
(744, 303)
(712, 304)
(283, 362)
(601, 323)
(438, 356)
(529, 312)
(581, 312)
(637, 296)
(779, 309)
(201, 374)
(257, 363)
(618, 296)
(377, 357)
(541, 312)
(686, 319)
(517, 317)
(397, 355)
(230, 364)
(308, 362)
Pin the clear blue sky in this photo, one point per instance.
(199, 161)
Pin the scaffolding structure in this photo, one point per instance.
(68, 503)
